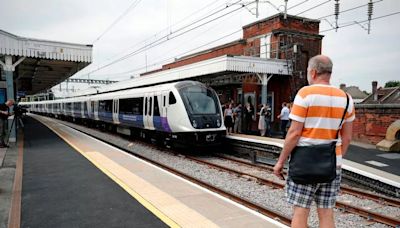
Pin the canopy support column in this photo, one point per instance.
(264, 78)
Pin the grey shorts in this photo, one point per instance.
(323, 194)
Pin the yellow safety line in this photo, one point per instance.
(14, 219)
(133, 193)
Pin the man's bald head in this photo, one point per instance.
(319, 69)
(10, 102)
(321, 63)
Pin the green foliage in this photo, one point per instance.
(392, 84)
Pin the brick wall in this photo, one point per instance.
(371, 123)
(277, 22)
(230, 49)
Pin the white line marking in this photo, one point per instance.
(375, 163)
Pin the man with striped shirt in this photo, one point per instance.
(316, 115)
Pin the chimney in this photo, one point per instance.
(342, 86)
(374, 90)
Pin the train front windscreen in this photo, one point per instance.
(202, 106)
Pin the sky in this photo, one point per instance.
(358, 57)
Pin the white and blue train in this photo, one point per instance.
(180, 113)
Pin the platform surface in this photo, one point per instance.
(61, 188)
(74, 180)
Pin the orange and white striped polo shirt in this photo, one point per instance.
(320, 108)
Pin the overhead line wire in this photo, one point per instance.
(313, 7)
(180, 54)
(166, 28)
(160, 40)
(357, 22)
(357, 7)
(132, 6)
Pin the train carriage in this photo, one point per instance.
(181, 113)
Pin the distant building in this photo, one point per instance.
(383, 95)
(355, 92)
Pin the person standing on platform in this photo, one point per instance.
(228, 119)
(237, 114)
(284, 116)
(248, 116)
(316, 119)
(268, 115)
(4, 114)
(261, 121)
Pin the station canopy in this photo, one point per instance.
(45, 64)
(223, 68)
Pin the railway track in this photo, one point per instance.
(343, 189)
(272, 151)
(346, 207)
(343, 206)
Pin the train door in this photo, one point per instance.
(83, 109)
(148, 111)
(96, 110)
(164, 103)
(115, 111)
(64, 109)
(89, 109)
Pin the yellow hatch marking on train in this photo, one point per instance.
(133, 193)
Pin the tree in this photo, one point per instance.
(392, 84)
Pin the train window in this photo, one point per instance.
(156, 108)
(68, 106)
(164, 101)
(85, 109)
(150, 105)
(105, 106)
(131, 106)
(172, 99)
(77, 106)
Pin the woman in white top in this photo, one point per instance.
(228, 119)
(261, 122)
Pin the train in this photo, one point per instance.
(180, 114)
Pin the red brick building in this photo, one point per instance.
(376, 113)
(295, 39)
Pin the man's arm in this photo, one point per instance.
(346, 134)
(291, 140)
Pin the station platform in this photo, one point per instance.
(362, 159)
(70, 179)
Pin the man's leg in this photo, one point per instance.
(326, 218)
(2, 132)
(326, 200)
(283, 128)
(300, 217)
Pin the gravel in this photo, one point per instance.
(240, 186)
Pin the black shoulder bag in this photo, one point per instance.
(317, 163)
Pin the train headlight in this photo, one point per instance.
(218, 123)
(194, 123)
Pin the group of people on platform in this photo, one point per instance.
(233, 118)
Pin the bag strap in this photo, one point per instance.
(344, 114)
